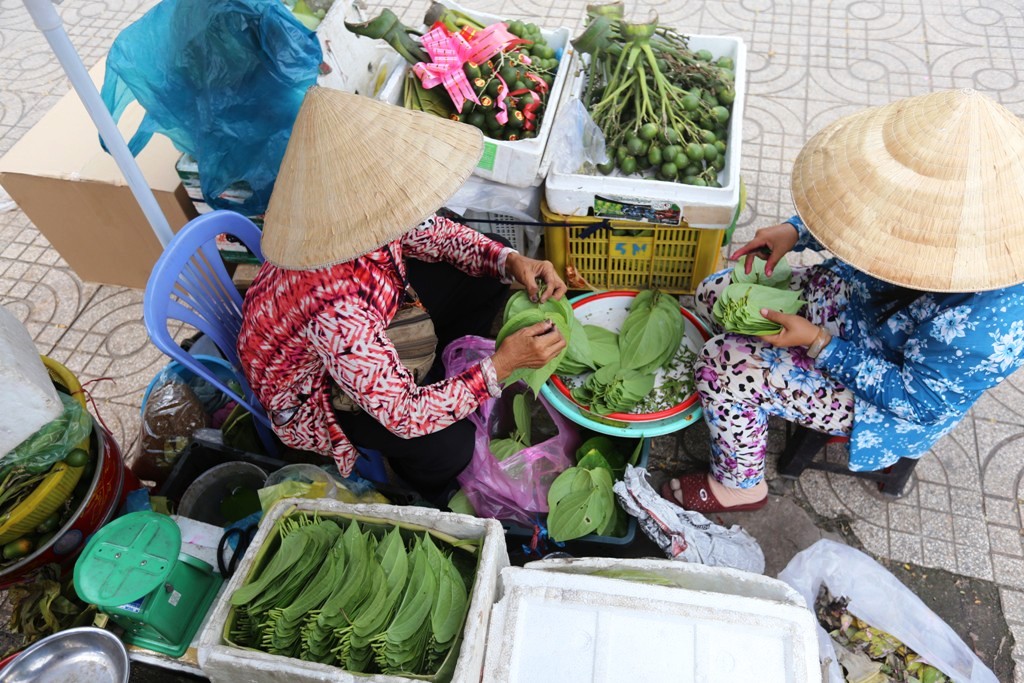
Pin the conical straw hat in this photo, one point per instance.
(358, 174)
(925, 192)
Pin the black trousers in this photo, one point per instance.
(458, 305)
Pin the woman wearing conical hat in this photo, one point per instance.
(920, 310)
(350, 236)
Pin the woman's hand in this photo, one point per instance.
(530, 347)
(526, 271)
(771, 243)
(796, 330)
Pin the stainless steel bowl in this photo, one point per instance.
(77, 655)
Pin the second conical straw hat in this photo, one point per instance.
(358, 174)
(925, 192)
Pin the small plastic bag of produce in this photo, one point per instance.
(516, 487)
(878, 598)
(54, 440)
(171, 416)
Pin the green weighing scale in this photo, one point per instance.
(134, 571)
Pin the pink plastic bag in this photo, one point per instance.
(515, 489)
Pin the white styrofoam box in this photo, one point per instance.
(357, 64)
(28, 399)
(521, 163)
(576, 628)
(223, 663)
(573, 194)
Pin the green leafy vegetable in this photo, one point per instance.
(651, 333)
(613, 389)
(779, 278)
(604, 345)
(520, 437)
(738, 308)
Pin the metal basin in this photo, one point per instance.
(77, 655)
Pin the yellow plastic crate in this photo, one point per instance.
(630, 254)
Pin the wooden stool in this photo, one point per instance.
(802, 444)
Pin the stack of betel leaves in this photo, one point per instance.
(663, 108)
(575, 358)
(391, 602)
(496, 78)
(738, 307)
(650, 337)
(581, 500)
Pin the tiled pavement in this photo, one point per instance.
(809, 63)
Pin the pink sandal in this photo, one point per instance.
(696, 495)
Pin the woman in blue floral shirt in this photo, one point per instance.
(920, 312)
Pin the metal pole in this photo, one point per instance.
(45, 16)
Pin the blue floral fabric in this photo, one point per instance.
(917, 374)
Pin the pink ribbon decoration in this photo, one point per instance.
(449, 52)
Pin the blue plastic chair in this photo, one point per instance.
(189, 283)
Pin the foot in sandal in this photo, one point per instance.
(697, 492)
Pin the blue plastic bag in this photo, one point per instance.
(224, 81)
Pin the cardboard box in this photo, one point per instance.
(75, 194)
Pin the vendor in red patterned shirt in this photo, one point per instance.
(350, 227)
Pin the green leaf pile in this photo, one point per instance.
(520, 437)
(369, 603)
(779, 278)
(652, 332)
(581, 500)
(613, 389)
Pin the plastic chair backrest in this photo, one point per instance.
(189, 283)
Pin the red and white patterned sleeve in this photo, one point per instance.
(441, 239)
(359, 356)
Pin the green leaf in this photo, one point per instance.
(566, 483)
(502, 449)
(575, 515)
(521, 414)
(738, 308)
(779, 278)
(594, 460)
(449, 609)
(535, 378)
(604, 345)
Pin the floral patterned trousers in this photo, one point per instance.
(742, 380)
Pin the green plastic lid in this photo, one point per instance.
(127, 559)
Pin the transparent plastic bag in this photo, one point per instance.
(878, 597)
(577, 143)
(516, 488)
(224, 81)
(54, 440)
(171, 416)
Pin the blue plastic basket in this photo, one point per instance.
(514, 530)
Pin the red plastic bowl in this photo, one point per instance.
(631, 417)
(100, 502)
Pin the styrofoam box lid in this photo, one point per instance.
(575, 628)
(573, 193)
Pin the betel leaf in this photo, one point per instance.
(604, 345)
(602, 444)
(566, 482)
(738, 308)
(652, 332)
(535, 378)
(594, 460)
(779, 278)
(521, 414)
(579, 357)
(578, 514)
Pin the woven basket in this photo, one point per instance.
(61, 480)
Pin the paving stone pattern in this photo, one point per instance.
(809, 63)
